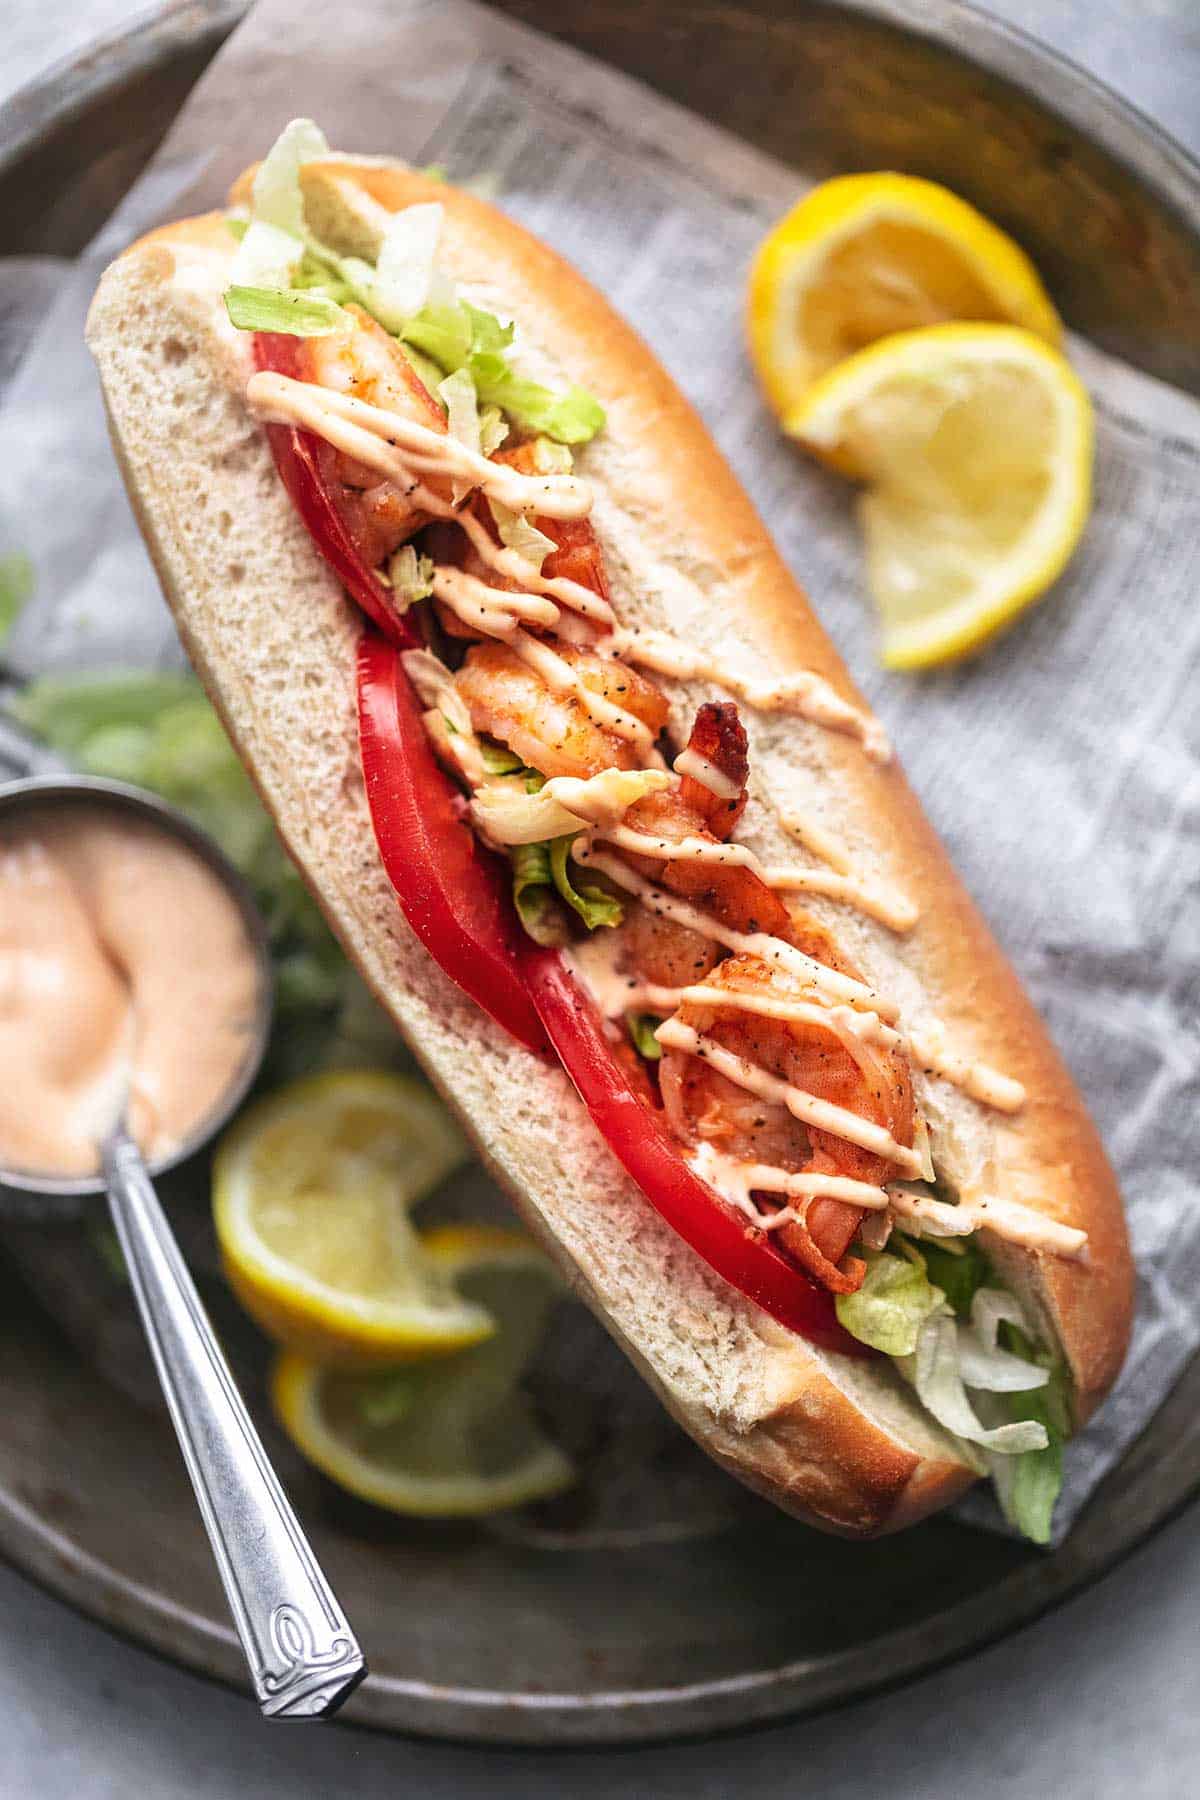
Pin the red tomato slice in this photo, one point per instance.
(295, 454)
(452, 891)
(636, 1136)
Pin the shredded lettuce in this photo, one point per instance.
(273, 250)
(457, 394)
(560, 808)
(573, 417)
(298, 313)
(641, 1028)
(507, 813)
(538, 906)
(451, 332)
(593, 905)
(522, 535)
(982, 1362)
(266, 258)
(935, 1371)
(403, 289)
(430, 374)
(493, 429)
(498, 759)
(277, 198)
(277, 254)
(456, 335)
(410, 576)
(550, 458)
(542, 882)
(1028, 1486)
(399, 284)
(959, 1270)
(317, 276)
(963, 1343)
(892, 1305)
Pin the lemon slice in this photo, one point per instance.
(311, 1195)
(454, 1438)
(864, 256)
(975, 442)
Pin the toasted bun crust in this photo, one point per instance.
(833, 1440)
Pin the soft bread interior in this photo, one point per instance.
(273, 639)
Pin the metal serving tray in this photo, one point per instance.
(660, 1601)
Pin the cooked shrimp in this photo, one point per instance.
(578, 556)
(867, 1079)
(655, 948)
(718, 736)
(552, 731)
(731, 892)
(369, 364)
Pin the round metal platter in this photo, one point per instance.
(659, 1600)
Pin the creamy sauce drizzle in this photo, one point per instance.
(930, 1052)
(690, 764)
(868, 1028)
(494, 611)
(1007, 1218)
(817, 841)
(894, 913)
(806, 694)
(821, 1114)
(565, 679)
(403, 450)
(514, 567)
(599, 799)
(738, 1181)
(395, 446)
(752, 943)
(891, 909)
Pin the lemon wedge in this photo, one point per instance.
(864, 256)
(975, 444)
(454, 1438)
(312, 1190)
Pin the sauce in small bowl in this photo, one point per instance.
(134, 972)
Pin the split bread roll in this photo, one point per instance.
(838, 1441)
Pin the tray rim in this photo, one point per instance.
(152, 1619)
(963, 29)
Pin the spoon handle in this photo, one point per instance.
(301, 1652)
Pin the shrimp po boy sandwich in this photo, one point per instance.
(588, 797)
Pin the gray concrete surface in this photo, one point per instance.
(1098, 1702)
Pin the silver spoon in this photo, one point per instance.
(302, 1656)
